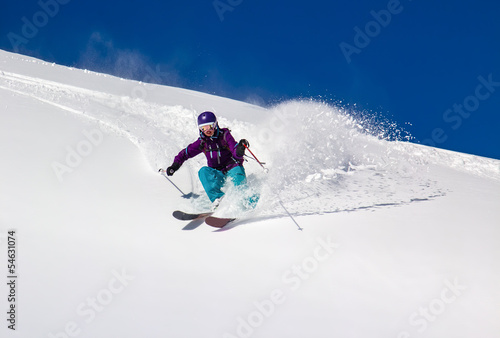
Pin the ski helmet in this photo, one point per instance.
(207, 118)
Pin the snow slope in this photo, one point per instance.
(398, 240)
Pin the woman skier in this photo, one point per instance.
(224, 157)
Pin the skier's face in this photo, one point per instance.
(209, 133)
(208, 130)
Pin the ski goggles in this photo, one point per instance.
(207, 127)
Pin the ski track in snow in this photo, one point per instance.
(321, 161)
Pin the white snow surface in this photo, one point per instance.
(398, 240)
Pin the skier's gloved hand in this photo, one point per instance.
(240, 148)
(172, 169)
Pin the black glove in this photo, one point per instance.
(240, 148)
(172, 169)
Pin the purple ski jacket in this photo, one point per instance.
(220, 150)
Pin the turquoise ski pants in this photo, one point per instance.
(213, 180)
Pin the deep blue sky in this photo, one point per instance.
(434, 64)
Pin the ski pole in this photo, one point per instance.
(279, 199)
(162, 171)
(289, 214)
(255, 157)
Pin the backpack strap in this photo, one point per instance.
(225, 140)
(202, 145)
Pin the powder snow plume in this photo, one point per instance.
(324, 155)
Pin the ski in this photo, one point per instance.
(218, 222)
(184, 216)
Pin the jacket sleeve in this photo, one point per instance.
(190, 151)
(232, 144)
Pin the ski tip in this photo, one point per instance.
(218, 222)
(183, 216)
